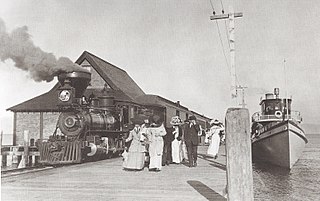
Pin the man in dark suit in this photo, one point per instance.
(191, 132)
(167, 151)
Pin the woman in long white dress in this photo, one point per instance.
(184, 151)
(155, 133)
(214, 138)
(176, 143)
(135, 158)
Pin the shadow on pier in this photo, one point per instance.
(206, 191)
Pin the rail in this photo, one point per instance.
(294, 116)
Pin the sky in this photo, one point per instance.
(171, 48)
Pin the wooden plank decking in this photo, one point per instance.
(105, 180)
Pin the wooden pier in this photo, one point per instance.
(106, 180)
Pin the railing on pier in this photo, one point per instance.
(14, 156)
(294, 116)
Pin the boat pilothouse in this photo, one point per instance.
(277, 137)
(274, 109)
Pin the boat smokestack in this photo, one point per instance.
(269, 96)
(276, 92)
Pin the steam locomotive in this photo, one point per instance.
(94, 128)
(86, 129)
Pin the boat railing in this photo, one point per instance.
(294, 116)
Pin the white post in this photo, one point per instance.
(231, 17)
(1, 147)
(25, 157)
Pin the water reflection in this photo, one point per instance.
(301, 183)
(271, 182)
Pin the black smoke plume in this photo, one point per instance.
(42, 66)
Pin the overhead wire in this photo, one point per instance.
(220, 37)
(225, 23)
(223, 49)
(227, 34)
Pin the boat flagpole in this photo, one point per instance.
(286, 89)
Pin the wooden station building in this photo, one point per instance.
(39, 115)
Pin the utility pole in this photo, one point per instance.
(231, 16)
(238, 139)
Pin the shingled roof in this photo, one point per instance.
(46, 102)
(117, 78)
(155, 100)
(124, 87)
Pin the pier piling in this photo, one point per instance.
(238, 152)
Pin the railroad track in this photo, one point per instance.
(18, 171)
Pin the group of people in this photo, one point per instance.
(154, 144)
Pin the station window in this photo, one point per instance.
(178, 113)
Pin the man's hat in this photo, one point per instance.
(176, 121)
(157, 119)
(192, 117)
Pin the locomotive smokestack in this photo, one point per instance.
(77, 79)
(19, 47)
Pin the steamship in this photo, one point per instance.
(277, 137)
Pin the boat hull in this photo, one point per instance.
(281, 144)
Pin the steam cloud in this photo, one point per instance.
(41, 65)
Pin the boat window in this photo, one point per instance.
(285, 102)
(272, 106)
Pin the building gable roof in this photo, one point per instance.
(117, 78)
(124, 88)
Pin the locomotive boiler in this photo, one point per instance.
(87, 128)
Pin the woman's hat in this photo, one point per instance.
(192, 117)
(176, 121)
(216, 122)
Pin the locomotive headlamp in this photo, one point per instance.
(64, 95)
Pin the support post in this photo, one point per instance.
(238, 152)
(26, 147)
(41, 125)
(14, 137)
(1, 136)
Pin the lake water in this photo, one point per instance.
(301, 183)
